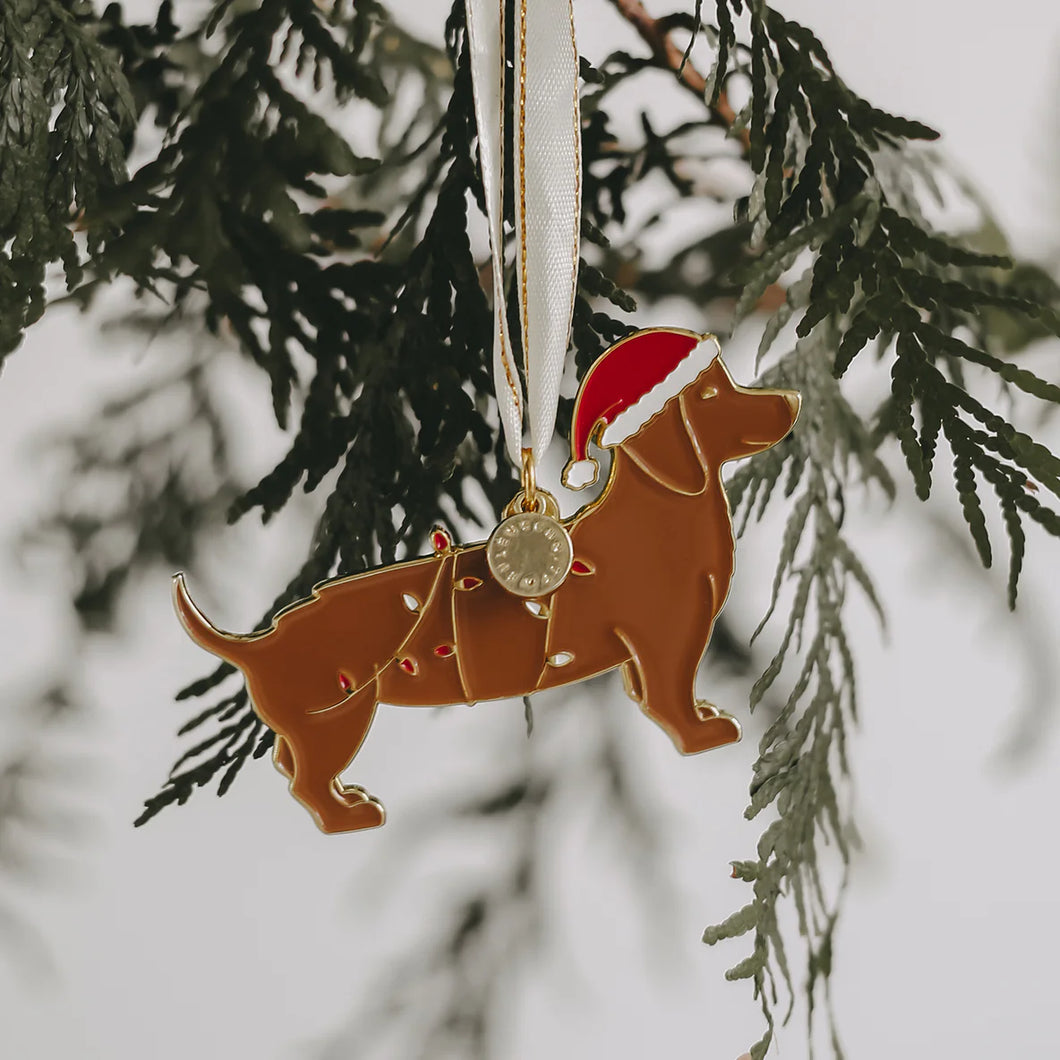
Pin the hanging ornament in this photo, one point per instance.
(633, 581)
(649, 569)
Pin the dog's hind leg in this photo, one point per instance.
(319, 751)
(283, 760)
(667, 696)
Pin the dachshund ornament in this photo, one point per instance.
(647, 572)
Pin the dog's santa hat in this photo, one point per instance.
(628, 385)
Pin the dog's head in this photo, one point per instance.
(710, 421)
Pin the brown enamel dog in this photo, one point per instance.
(653, 561)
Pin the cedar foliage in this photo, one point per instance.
(281, 195)
(66, 110)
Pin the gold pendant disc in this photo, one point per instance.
(530, 554)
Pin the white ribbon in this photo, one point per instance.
(547, 185)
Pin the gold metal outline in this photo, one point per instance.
(460, 675)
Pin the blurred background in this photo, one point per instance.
(544, 896)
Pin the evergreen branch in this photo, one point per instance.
(875, 271)
(67, 110)
(668, 56)
(802, 761)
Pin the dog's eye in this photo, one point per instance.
(708, 392)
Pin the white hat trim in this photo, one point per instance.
(630, 420)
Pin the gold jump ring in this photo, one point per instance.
(544, 504)
(529, 479)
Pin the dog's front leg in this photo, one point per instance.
(665, 678)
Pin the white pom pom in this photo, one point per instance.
(580, 473)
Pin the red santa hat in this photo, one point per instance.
(628, 385)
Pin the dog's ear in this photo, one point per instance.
(665, 448)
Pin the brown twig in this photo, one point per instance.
(669, 56)
(656, 32)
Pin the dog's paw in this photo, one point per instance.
(363, 813)
(712, 730)
(350, 793)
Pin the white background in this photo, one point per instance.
(233, 928)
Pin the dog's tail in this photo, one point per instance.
(229, 646)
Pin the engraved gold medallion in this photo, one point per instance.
(530, 554)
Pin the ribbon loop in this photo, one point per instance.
(546, 139)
